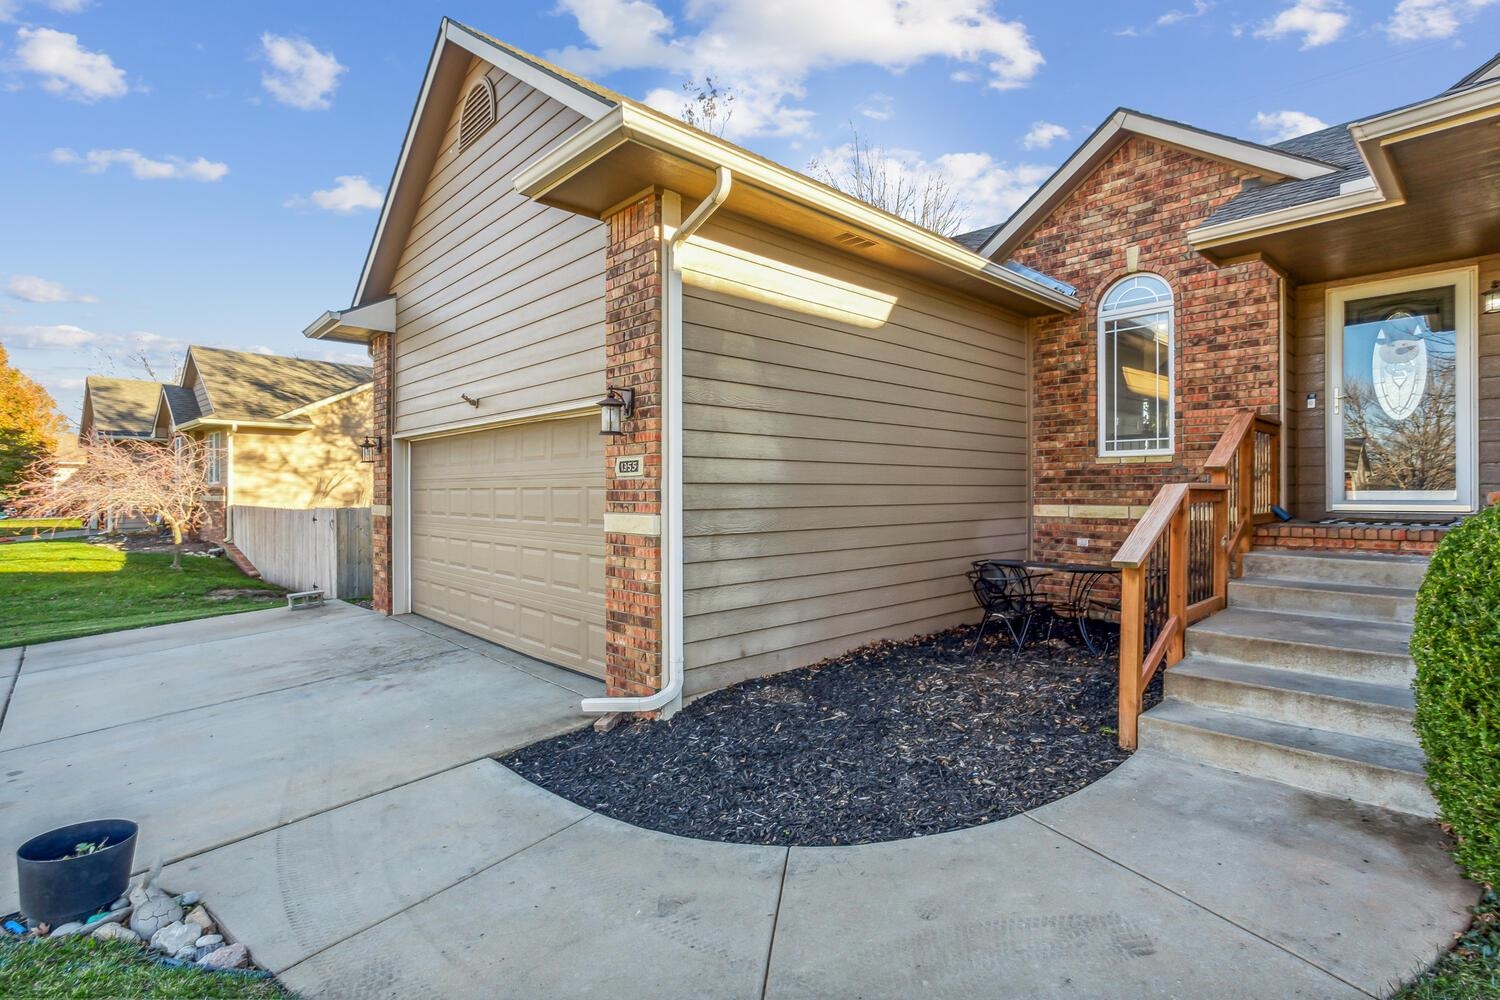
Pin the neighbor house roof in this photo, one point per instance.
(120, 407)
(242, 385)
(181, 403)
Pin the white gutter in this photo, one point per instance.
(670, 696)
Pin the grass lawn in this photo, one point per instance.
(58, 590)
(1471, 971)
(83, 967)
(13, 526)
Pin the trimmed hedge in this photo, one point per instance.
(1456, 643)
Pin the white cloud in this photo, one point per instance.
(67, 68)
(1279, 126)
(1200, 7)
(61, 335)
(10, 8)
(1414, 20)
(349, 194)
(1043, 134)
(1317, 21)
(990, 189)
(300, 75)
(766, 51)
(30, 288)
(878, 107)
(143, 168)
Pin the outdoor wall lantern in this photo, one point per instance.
(369, 448)
(614, 408)
(1491, 297)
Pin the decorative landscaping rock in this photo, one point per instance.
(69, 929)
(199, 916)
(231, 956)
(154, 909)
(188, 954)
(189, 899)
(114, 916)
(115, 932)
(175, 937)
(209, 941)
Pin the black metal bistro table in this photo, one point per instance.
(1076, 606)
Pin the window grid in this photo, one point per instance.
(1136, 401)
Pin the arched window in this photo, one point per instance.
(478, 114)
(1135, 368)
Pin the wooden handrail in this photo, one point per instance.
(1190, 527)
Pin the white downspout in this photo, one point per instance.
(671, 693)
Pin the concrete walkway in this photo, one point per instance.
(322, 777)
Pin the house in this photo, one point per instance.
(815, 415)
(278, 432)
(119, 408)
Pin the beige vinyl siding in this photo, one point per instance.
(497, 297)
(1308, 428)
(841, 472)
(319, 467)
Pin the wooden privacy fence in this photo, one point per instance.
(326, 548)
(1176, 564)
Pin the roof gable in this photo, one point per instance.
(247, 386)
(446, 69)
(1269, 162)
(120, 407)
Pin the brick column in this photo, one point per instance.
(632, 518)
(380, 520)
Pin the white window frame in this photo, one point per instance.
(1170, 308)
(1465, 283)
(213, 473)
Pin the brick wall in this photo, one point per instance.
(1147, 196)
(212, 527)
(633, 360)
(380, 523)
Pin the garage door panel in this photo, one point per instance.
(508, 538)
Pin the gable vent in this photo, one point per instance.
(853, 241)
(478, 114)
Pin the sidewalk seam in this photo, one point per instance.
(1205, 908)
(765, 978)
(435, 893)
(10, 690)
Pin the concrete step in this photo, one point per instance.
(1358, 708)
(1375, 652)
(1337, 567)
(1377, 772)
(1321, 597)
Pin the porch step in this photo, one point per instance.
(1338, 567)
(1356, 708)
(1360, 601)
(1376, 652)
(240, 560)
(1378, 772)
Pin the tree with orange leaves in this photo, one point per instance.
(29, 424)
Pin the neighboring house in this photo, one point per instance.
(278, 432)
(119, 408)
(830, 412)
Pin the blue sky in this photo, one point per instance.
(176, 173)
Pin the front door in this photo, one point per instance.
(1400, 388)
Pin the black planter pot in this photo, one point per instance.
(54, 891)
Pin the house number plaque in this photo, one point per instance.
(630, 467)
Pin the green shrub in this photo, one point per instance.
(1456, 644)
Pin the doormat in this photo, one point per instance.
(1335, 522)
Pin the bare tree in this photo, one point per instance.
(126, 477)
(709, 106)
(874, 176)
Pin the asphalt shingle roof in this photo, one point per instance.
(123, 407)
(246, 386)
(181, 403)
(1334, 146)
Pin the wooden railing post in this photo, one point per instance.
(1177, 576)
(1221, 552)
(1132, 651)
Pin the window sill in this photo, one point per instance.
(1145, 458)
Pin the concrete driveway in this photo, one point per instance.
(322, 777)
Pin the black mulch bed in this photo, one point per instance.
(892, 740)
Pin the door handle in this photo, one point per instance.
(1338, 397)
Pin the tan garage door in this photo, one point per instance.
(507, 538)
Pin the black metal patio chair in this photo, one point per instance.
(1007, 593)
(1083, 612)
